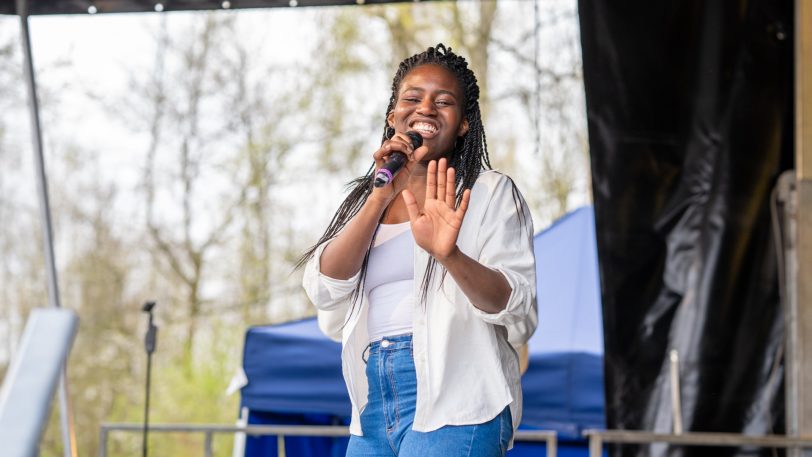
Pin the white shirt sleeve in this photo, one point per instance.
(506, 240)
(330, 296)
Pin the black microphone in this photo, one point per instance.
(396, 160)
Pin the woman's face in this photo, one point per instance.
(429, 102)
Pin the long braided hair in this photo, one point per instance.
(469, 157)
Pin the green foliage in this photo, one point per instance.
(183, 391)
(192, 390)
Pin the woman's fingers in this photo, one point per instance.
(403, 139)
(395, 144)
(450, 194)
(440, 183)
(431, 181)
(419, 152)
(403, 144)
(466, 197)
(411, 205)
(379, 154)
(446, 177)
(441, 175)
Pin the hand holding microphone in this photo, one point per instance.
(396, 161)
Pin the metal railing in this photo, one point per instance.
(598, 437)
(548, 437)
(281, 431)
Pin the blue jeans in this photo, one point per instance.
(387, 419)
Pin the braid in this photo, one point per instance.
(470, 154)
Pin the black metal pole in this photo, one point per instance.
(149, 345)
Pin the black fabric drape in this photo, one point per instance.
(690, 122)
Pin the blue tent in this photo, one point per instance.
(294, 371)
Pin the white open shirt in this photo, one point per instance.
(466, 364)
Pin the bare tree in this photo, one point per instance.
(466, 28)
(264, 146)
(183, 244)
(106, 356)
(552, 96)
(9, 163)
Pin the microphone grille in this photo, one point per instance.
(417, 140)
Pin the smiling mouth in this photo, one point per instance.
(425, 129)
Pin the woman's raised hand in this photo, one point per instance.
(437, 227)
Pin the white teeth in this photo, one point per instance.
(424, 127)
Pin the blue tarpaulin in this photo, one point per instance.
(294, 371)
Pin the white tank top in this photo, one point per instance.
(388, 282)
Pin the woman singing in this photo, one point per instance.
(429, 280)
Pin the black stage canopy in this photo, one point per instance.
(36, 7)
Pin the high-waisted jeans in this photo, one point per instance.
(387, 418)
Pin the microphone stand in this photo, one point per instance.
(149, 345)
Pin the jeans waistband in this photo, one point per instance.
(391, 343)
